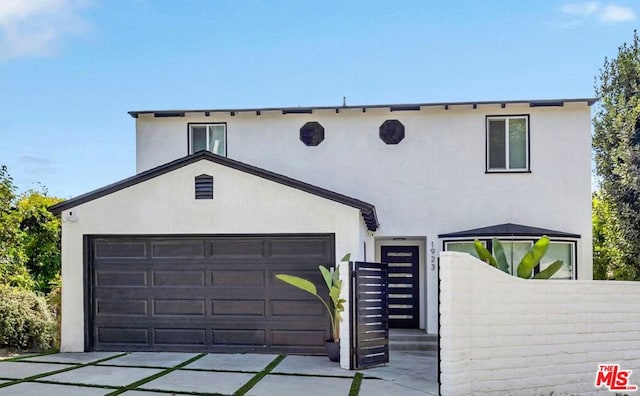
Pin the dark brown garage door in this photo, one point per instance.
(213, 293)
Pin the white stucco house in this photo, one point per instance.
(183, 254)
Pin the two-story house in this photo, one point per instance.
(183, 255)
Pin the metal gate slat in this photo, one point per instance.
(369, 315)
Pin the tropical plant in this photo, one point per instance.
(334, 284)
(526, 265)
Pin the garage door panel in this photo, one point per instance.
(177, 336)
(121, 278)
(186, 278)
(297, 308)
(298, 338)
(126, 307)
(248, 277)
(237, 249)
(304, 250)
(123, 335)
(176, 307)
(109, 248)
(235, 307)
(178, 249)
(215, 294)
(239, 337)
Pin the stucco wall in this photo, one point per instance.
(504, 335)
(243, 204)
(433, 182)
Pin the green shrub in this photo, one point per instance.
(25, 320)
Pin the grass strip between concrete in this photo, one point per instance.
(21, 357)
(73, 367)
(143, 381)
(355, 385)
(259, 376)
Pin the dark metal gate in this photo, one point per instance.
(369, 315)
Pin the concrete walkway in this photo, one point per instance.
(162, 373)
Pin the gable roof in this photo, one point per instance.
(368, 210)
(508, 229)
(391, 107)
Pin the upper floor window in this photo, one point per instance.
(508, 144)
(210, 137)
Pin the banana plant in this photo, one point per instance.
(528, 262)
(334, 284)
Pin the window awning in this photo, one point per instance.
(508, 229)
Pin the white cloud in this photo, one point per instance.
(36, 27)
(610, 13)
(615, 13)
(580, 9)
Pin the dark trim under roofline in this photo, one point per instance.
(509, 229)
(391, 107)
(368, 210)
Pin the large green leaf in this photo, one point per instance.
(300, 283)
(346, 257)
(326, 275)
(334, 293)
(532, 258)
(484, 254)
(549, 271)
(501, 259)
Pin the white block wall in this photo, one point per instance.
(504, 335)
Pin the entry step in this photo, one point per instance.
(412, 340)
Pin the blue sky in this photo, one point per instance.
(71, 69)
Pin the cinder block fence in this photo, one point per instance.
(501, 335)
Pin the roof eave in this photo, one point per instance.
(391, 107)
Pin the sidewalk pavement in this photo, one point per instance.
(162, 373)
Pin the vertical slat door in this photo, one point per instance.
(403, 285)
(369, 315)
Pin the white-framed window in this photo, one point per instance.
(210, 137)
(462, 247)
(507, 143)
(516, 248)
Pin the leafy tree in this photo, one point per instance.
(29, 237)
(616, 143)
(40, 237)
(13, 270)
(608, 258)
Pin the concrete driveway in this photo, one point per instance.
(162, 373)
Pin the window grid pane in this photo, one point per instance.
(463, 247)
(217, 139)
(198, 139)
(559, 251)
(497, 144)
(517, 143)
(515, 251)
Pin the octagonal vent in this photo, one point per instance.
(312, 133)
(391, 132)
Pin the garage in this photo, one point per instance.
(206, 293)
(183, 257)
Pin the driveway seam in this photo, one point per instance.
(136, 384)
(355, 384)
(74, 366)
(259, 376)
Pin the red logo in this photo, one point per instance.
(611, 376)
